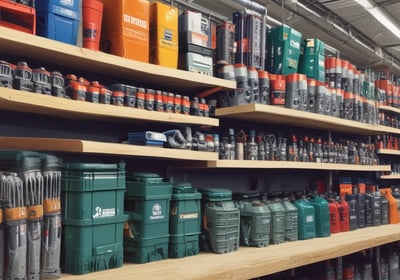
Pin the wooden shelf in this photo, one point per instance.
(390, 109)
(249, 263)
(390, 177)
(294, 165)
(388, 152)
(284, 116)
(25, 45)
(23, 101)
(94, 147)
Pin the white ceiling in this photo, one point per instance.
(342, 24)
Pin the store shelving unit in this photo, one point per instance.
(249, 263)
(245, 263)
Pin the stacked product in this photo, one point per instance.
(195, 53)
(93, 216)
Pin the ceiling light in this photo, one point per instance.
(380, 16)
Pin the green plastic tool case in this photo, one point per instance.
(147, 202)
(92, 199)
(185, 221)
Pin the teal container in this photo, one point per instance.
(144, 250)
(312, 59)
(291, 220)
(147, 201)
(92, 245)
(322, 217)
(306, 219)
(277, 235)
(283, 50)
(221, 221)
(185, 221)
(255, 223)
(91, 191)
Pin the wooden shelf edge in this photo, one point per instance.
(388, 152)
(67, 54)
(389, 108)
(276, 114)
(95, 147)
(253, 262)
(22, 101)
(390, 177)
(294, 165)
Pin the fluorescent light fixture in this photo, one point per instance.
(380, 16)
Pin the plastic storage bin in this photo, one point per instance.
(91, 191)
(147, 201)
(58, 19)
(92, 245)
(185, 221)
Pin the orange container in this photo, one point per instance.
(125, 30)
(393, 210)
(92, 14)
(163, 35)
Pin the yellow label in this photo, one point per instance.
(51, 205)
(35, 212)
(14, 214)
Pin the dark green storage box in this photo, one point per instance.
(91, 191)
(283, 50)
(183, 245)
(144, 250)
(92, 245)
(312, 60)
(185, 221)
(147, 201)
(220, 229)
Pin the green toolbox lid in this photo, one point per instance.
(148, 186)
(19, 161)
(249, 195)
(185, 191)
(90, 166)
(148, 178)
(50, 162)
(216, 194)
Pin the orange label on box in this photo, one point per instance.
(35, 212)
(15, 214)
(51, 205)
(345, 189)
